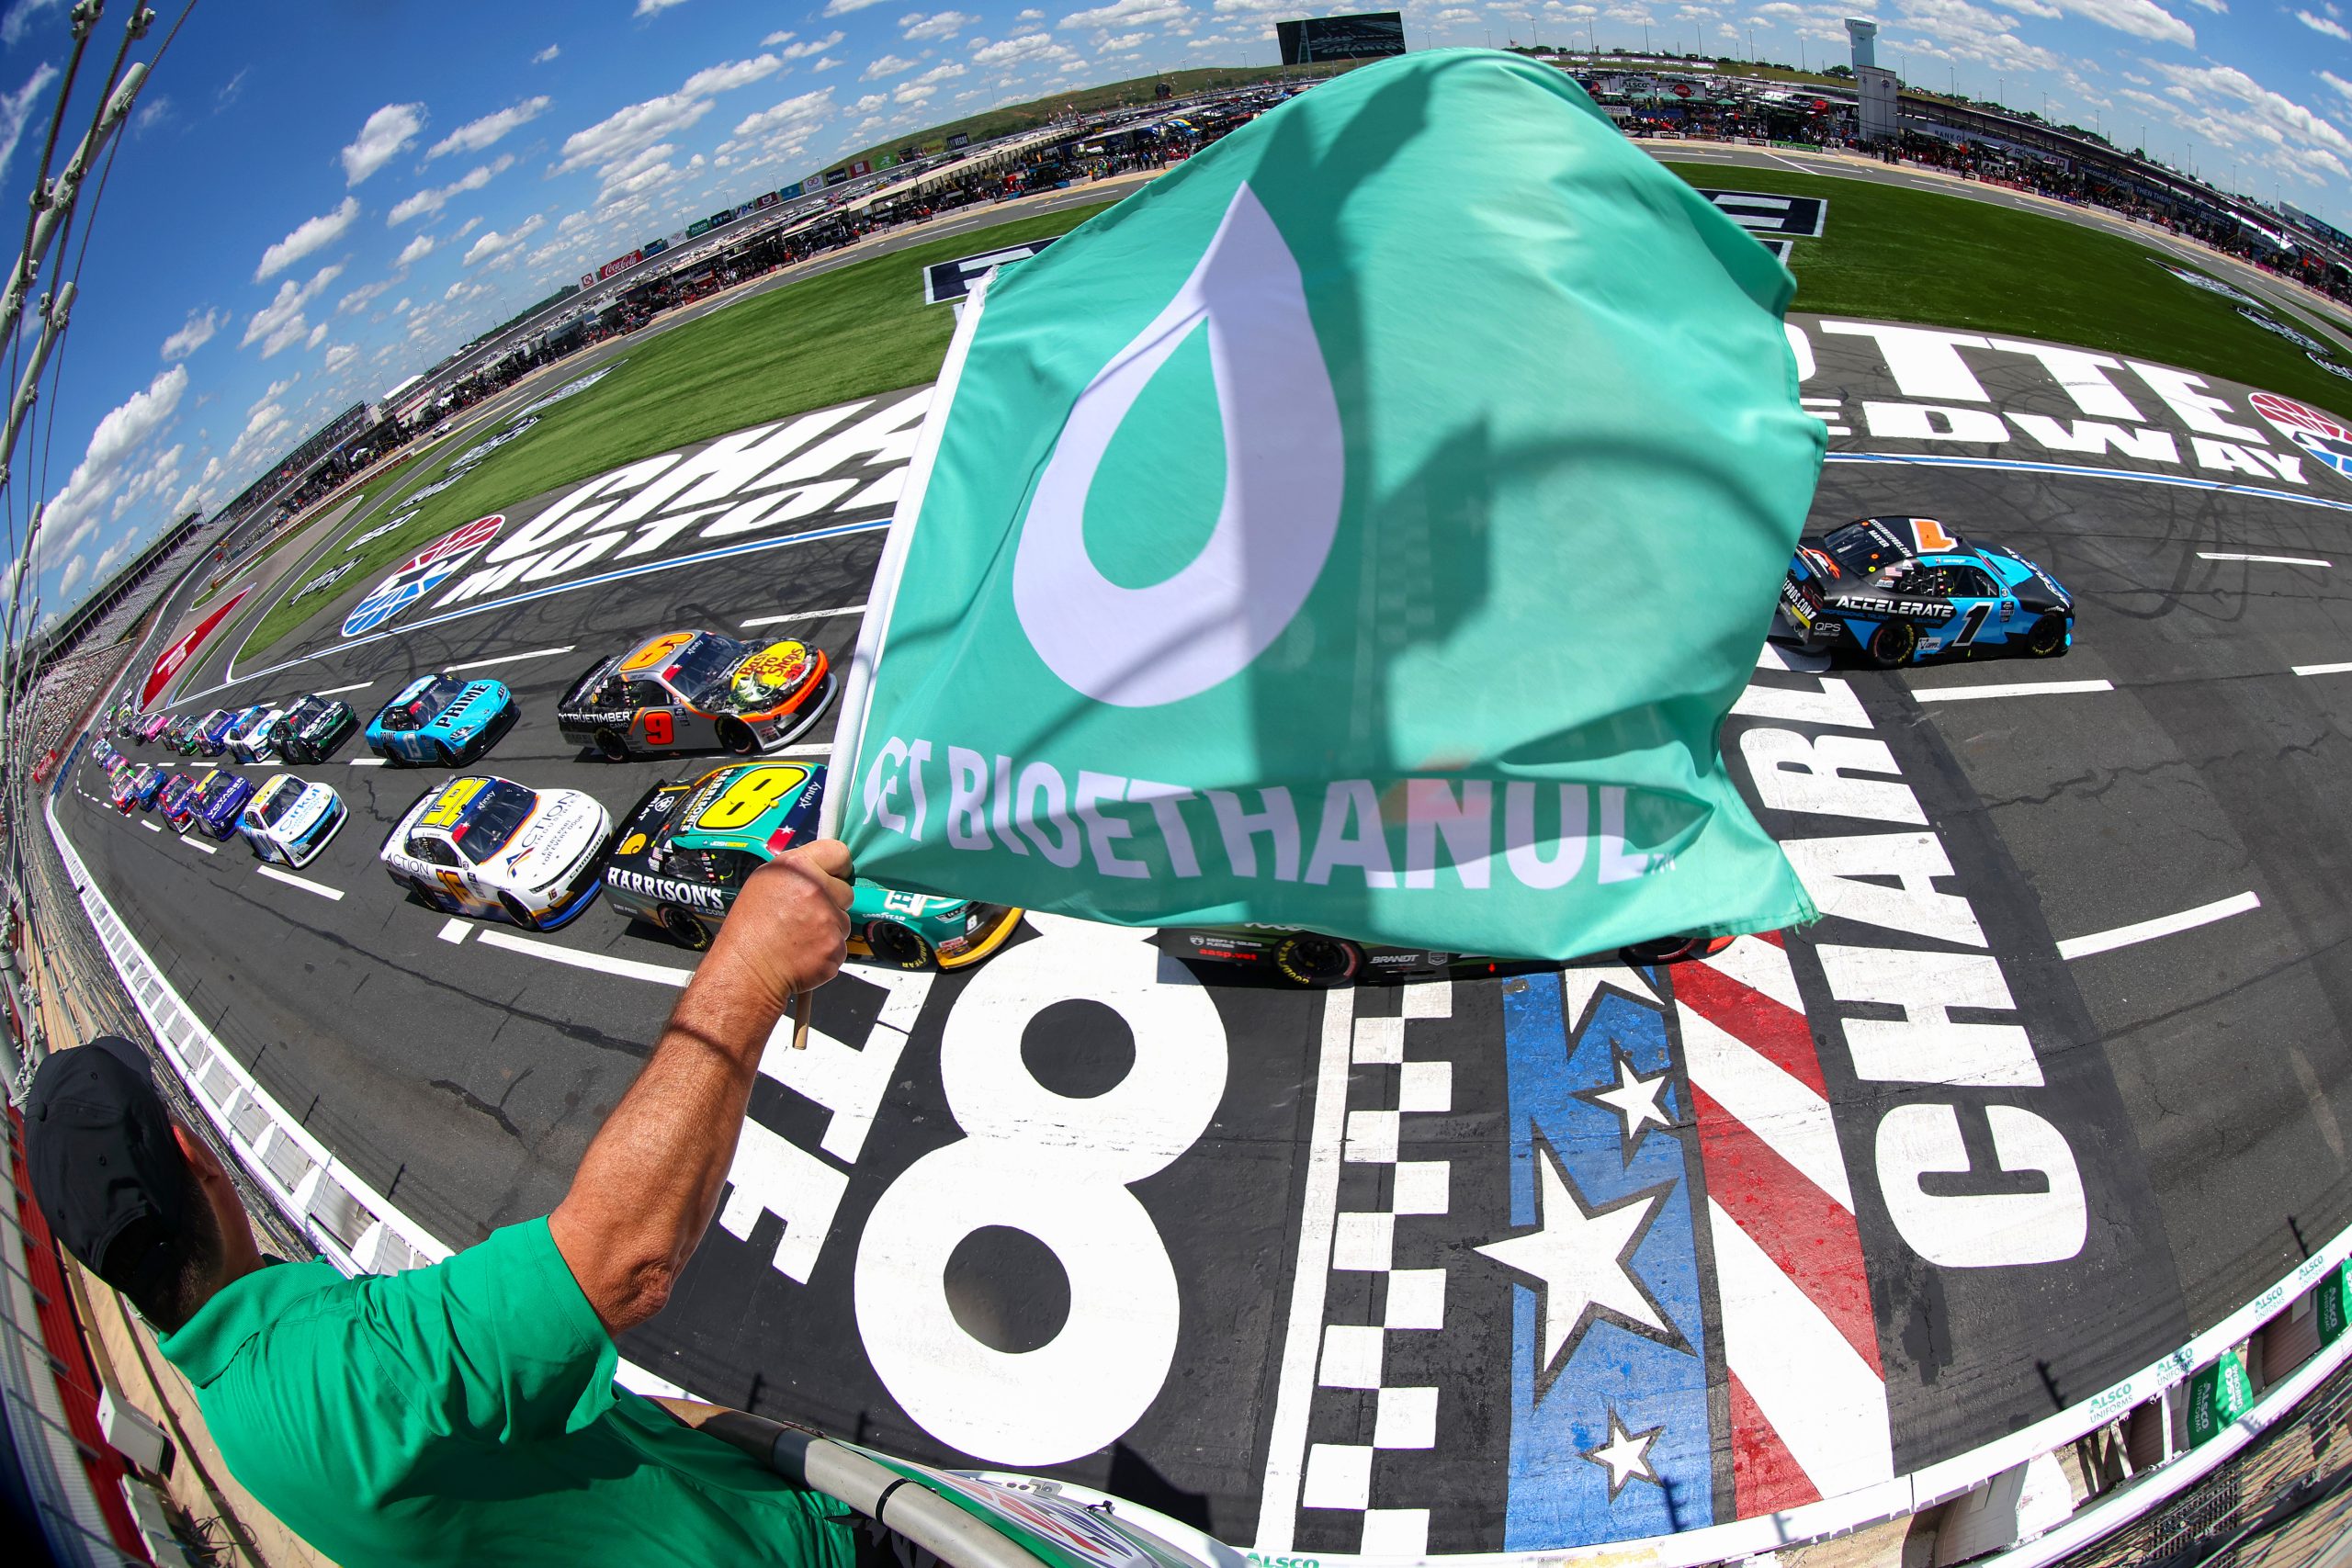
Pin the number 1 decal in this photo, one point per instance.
(1971, 624)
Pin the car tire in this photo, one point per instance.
(737, 737)
(611, 746)
(443, 755)
(1660, 950)
(2047, 640)
(685, 930)
(515, 912)
(1893, 644)
(896, 945)
(1317, 960)
(431, 895)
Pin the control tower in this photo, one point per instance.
(1876, 91)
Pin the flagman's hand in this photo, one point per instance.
(789, 929)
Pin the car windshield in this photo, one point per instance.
(306, 710)
(1863, 547)
(703, 663)
(217, 786)
(496, 812)
(273, 806)
(425, 707)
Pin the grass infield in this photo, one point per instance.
(1912, 255)
(1888, 252)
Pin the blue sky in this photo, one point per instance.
(318, 198)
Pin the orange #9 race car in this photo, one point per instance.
(695, 691)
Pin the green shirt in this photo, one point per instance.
(466, 1413)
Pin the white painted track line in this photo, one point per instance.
(2322, 668)
(626, 968)
(338, 691)
(304, 882)
(367, 762)
(151, 826)
(817, 749)
(2164, 925)
(192, 841)
(456, 930)
(2022, 688)
(2265, 561)
(514, 658)
(803, 616)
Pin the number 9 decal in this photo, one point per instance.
(659, 731)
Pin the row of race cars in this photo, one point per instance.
(1891, 589)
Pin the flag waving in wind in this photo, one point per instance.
(1365, 527)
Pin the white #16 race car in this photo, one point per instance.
(479, 845)
(290, 821)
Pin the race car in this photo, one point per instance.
(254, 736)
(148, 729)
(122, 794)
(480, 845)
(439, 718)
(181, 735)
(691, 690)
(1312, 958)
(289, 821)
(176, 801)
(212, 731)
(1898, 589)
(688, 848)
(311, 729)
(146, 786)
(218, 801)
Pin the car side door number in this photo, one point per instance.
(1972, 623)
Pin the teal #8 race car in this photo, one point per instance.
(688, 848)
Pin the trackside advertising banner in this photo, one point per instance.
(1367, 528)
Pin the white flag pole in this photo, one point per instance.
(857, 687)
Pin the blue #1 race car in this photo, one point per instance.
(439, 718)
(217, 802)
(1899, 590)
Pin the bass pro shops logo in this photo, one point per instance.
(421, 574)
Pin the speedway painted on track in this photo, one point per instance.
(1491, 1263)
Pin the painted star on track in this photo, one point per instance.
(1627, 1454)
(1633, 1098)
(1579, 1260)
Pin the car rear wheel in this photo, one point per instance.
(894, 943)
(611, 746)
(1317, 960)
(518, 912)
(1893, 644)
(2048, 637)
(737, 737)
(683, 928)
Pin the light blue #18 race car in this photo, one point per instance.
(439, 718)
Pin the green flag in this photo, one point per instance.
(1365, 528)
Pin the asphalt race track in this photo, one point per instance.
(1503, 1263)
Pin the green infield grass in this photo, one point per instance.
(1914, 255)
(849, 333)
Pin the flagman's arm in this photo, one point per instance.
(647, 1188)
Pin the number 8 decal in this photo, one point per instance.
(658, 730)
(1059, 1168)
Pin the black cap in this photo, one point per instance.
(106, 1170)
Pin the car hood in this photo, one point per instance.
(566, 826)
(307, 808)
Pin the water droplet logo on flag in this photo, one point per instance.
(1285, 474)
(421, 574)
(2314, 430)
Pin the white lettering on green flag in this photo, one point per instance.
(1365, 528)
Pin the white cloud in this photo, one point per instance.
(792, 118)
(415, 251)
(492, 243)
(826, 65)
(152, 113)
(885, 66)
(1128, 13)
(20, 18)
(713, 80)
(195, 335)
(1014, 51)
(435, 197)
(477, 134)
(807, 46)
(387, 131)
(106, 465)
(940, 72)
(2321, 25)
(939, 24)
(2262, 127)
(546, 54)
(318, 335)
(311, 235)
(17, 109)
(630, 129)
(359, 297)
(655, 7)
(2140, 18)
(279, 325)
(338, 356)
(910, 93)
(843, 7)
(869, 103)
(1125, 41)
